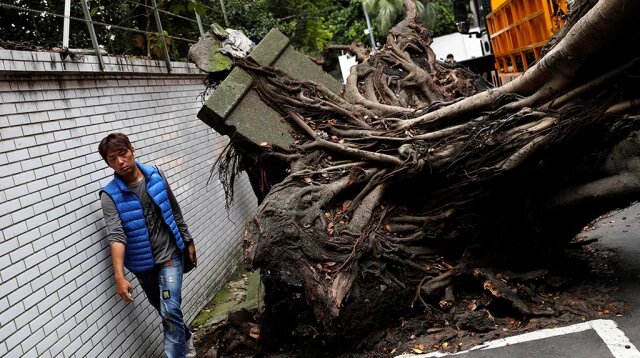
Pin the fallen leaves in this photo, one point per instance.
(419, 348)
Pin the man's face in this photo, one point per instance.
(122, 161)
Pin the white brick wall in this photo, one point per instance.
(57, 296)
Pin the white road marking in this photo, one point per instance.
(608, 330)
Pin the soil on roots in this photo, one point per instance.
(577, 285)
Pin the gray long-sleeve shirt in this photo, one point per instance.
(162, 244)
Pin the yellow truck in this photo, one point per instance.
(518, 29)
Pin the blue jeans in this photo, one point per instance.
(163, 287)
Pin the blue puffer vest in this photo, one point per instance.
(138, 255)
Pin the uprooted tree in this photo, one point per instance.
(419, 177)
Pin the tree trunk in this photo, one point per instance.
(421, 177)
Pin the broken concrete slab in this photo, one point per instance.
(207, 56)
(236, 44)
(235, 109)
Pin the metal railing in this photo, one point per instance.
(87, 18)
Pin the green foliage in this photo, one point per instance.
(307, 28)
(310, 24)
(34, 29)
(45, 30)
(254, 18)
(444, 20)
(347, 23)
(156, 46)
(385, 13)
(436, 14)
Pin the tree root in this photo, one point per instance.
(382, 196)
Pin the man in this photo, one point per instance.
(450, 58)
(148, 235)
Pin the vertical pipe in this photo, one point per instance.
(65, 28)
(92, 32)
(199, 23)
(224, 13)
(199, 20)
(373, 41)
(156, 14)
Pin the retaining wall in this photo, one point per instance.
(57, 295)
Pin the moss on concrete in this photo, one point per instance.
(243, 290)
(270, 48)
(219, 62)
(219, 30)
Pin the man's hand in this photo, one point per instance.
(124, 288)
(192, 253)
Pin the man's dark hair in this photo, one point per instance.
(450, 55)
(115, 142)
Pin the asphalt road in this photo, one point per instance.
(617, 337)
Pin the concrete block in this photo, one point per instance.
(15, 66)
(60, 306)
(29, 199)
(23, 142)
(15, 352)
(40, 282)
(11, 132)
(42, 206)
(17, 156)
(59, 345)
(44, 138)
(23, 251)
(61, 234)
(18, 119)
(23, 214)
(49, 126)
(11, 97)
(50, 326)
(8, 145)
(22, 55)
(31, 164)
(36, 185)
(6, 330)
(39, 150)
(29, 344)
(46, 229)
(270, 48)
(56, 115)
(232, 109)
(14, 297)
(16, 191)
(70, 349)
(6, 54)
(31, 129)
(27, 276)
(26, 107)
(25, 318)
(67, 219)
(15, 339)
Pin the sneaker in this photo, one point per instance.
(190, 348)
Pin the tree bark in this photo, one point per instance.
(439, 179)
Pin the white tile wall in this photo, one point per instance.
(56, 287)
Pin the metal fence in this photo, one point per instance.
(162, 37)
